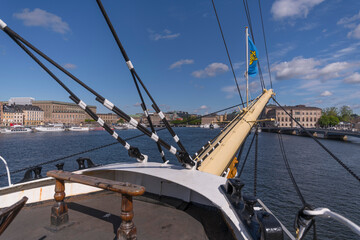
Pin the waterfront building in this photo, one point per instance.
(63, 112)
(32, 115)
(307, 116)
(210, 119)
(12, 116)
(1, 114)
(109, 118)
(27, 115)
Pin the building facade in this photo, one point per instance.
(63, 112)
(1, 114)
(306, 116)
(33, 115)
(21, 115)
(109, 118)
(12, 116)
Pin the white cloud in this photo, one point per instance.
(70, 66)
(203, 107)
(42, 18)
(308, 68)
(181, 62)
(137, 104)
(282, 9)
(166, 34)
(211, 70)
(355, 33)
(347, 20)
(232, 91)
(353, 24)
(326, 94)
(298, 67)
(354, 78)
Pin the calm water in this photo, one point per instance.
(323, 182)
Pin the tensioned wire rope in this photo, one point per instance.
(111, 144)
(248, 16)
(227, 52)
(183, 155)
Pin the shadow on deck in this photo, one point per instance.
(97, 216)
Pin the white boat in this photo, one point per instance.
(16, 129)
(51, 128)
(125, 126)
(79, 129)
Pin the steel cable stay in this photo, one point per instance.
(266, 50)
(184, 154)
(303, 222)
(227, 52)
(143, 106)
(108, 145)
(248, 16)
(256, 158)
(133, 151)
(246, 157)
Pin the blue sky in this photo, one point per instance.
(176, 48)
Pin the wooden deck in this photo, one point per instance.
(97, 216)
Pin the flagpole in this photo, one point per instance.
(247, 65)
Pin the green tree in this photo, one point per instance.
(345, 113)
(324, 121)
(331, 111)
(333, 120)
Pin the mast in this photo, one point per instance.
(247, 65)
(220, 153)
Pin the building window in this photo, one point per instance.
(297, 113)
(307, 119)
(282, 119)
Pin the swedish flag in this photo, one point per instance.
(253, 69)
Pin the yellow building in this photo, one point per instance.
(63, 112)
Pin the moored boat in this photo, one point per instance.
(79, 129)
(51, 128)
(16, 129)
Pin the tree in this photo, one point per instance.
(345, 113)
(333, 120)
(324, 121)
(331, 111)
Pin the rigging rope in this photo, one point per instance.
(227, 52)
(266, 50)
(256, 159)
(183, 156)
(318, 142)
(282, 150)
(247, 154)
(107, 145)
(248, 16)
(136, 77)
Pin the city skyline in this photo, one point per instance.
(177, 50)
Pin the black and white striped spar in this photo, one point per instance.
(137, 78)
(133, 151)
(182, 156)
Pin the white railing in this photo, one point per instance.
(7, 170)
(327, 213)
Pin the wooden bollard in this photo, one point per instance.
(59, 211)
(127, 229)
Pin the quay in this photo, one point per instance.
(316, 132)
